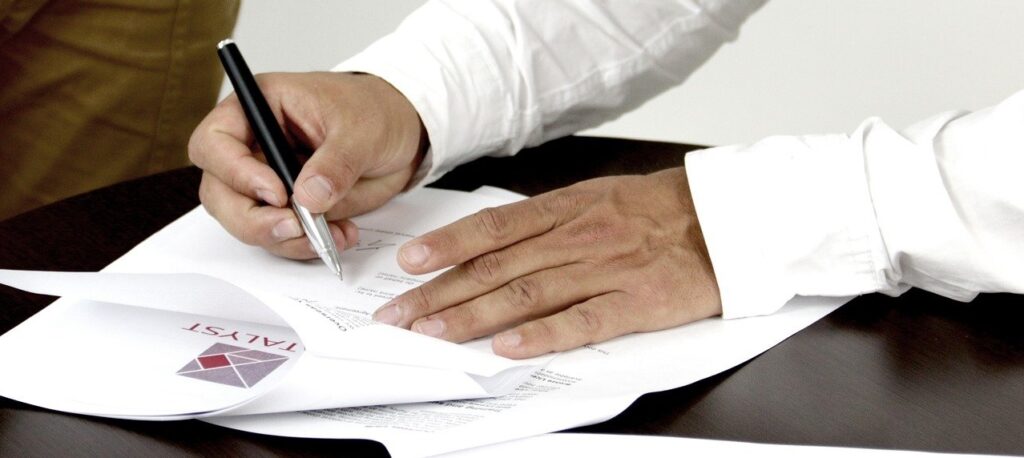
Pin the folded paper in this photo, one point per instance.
(194, 324)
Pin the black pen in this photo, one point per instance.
(279, 154)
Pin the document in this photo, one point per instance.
(615, 445)
(579, 387)
(194, 324)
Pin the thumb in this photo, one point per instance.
(327, 177)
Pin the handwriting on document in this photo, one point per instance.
(373, 239)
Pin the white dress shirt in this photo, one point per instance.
(933, 206)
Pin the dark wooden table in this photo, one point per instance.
(916, 372)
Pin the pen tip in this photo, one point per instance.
(336, 267)
(224, 43)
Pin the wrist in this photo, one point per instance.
(689, 233)
(408, 141)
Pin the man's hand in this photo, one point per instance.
(578, 265)
(367, 141)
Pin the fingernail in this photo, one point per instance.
(510, 339)
(388, 314)
(429, 327)
(318, 188)
(286, 229)
(415, 255)
(268, 197)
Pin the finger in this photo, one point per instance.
(488, 230)
(368, 194)
(300, 248)
(474, 278)
(328, 176)
(350, 232)
(275, 229)
(221, 147)
(296, 248)
(244, 218)
(522, 299)
(595, 320)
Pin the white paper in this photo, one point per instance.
(124, 364)
(115, 344)
(614, 445)
(190, 286)
(579, 387)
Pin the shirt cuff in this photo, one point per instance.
(445, 74)
(786, 216)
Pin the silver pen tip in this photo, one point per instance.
(336, 267)
(224, 43)
(320, 239)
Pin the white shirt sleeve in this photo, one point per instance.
(939, 206)
(495, 76)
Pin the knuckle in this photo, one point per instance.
(250, 234)
(493, 223)
(594, 230)
(586, 321)
(465, 319)
(204, 193)
(539, 331)
(346, 174)
(194, 146)
(564, 202)
(209, 198)
(523, 293)
(485, 269)
(419, 300)
(237, 181)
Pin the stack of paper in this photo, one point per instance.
(612, 445)
(192, 323)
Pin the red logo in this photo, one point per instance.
(231, 365)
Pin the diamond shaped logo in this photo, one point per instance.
(231, 365)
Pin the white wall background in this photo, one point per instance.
(800, 66)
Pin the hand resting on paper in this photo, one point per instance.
(581, 264)
(577, 265)
(366, 138)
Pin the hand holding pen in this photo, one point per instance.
(366, 139)
(277, 150)
(559, 270)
